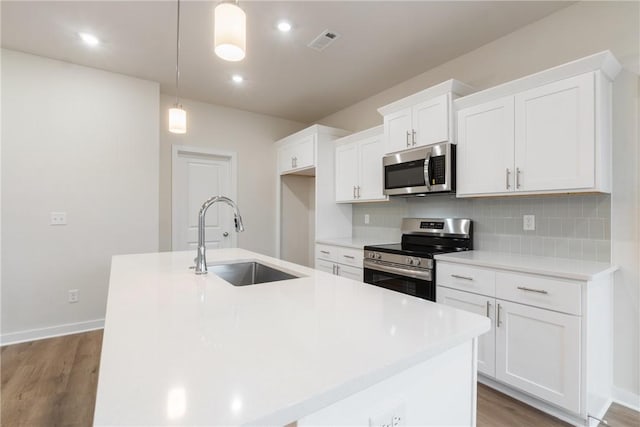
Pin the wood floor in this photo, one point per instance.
(53, 383)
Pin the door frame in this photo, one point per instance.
(204, 152)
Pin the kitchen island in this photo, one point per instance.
(318, 349)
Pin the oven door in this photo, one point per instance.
(411, 281)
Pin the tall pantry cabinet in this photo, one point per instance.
(305, 206)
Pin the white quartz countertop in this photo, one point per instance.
(181, 349)
(353, 242)
(556, 267)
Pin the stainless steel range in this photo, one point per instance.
(409, 267)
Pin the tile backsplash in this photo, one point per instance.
(566, 226)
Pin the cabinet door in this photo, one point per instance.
(350, 272)
(538, 351)
(484, 306)
(485, 148)
(397, 131)
(555, 135)
(346, 172)
(370, 180)
(304, 153)
(326, 266)
(285, 159)
(431, 121)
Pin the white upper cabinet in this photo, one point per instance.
(554, 128)
(298, 155)
(485, 148)
(346, 172)
(423, 118)
(431, 121)
(359, 167)
(545, 133)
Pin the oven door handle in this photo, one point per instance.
(427, 180)
(400, 271)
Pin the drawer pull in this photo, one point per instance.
(538, 291)
(349, 256)
(461, 277)
(324, 252)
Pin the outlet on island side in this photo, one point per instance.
(72, 296)
(366, 218)
(528, 222)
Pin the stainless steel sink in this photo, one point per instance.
(249, 273)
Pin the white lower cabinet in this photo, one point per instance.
(548, 340)
(538, 351)
(483, 306)
(341, 261)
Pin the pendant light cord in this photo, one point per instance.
(178, 56)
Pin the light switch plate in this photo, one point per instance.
(528, 222)
(58, 218)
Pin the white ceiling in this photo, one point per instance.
(382, 43)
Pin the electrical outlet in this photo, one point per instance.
(58, 218)
(73, 296)
(528, 222)
(391, 418)
(366, 218)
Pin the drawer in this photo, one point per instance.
(539, 291)
(350, 256)
(330, 253)
(466, 278)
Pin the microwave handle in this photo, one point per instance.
(427, 161)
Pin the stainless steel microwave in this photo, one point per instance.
(422, 170)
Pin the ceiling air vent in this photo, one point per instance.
(323, 40)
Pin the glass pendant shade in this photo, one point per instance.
(230, 32)
(177, 120)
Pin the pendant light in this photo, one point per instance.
(177, 115)
(230, 31)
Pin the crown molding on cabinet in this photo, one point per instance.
(602, 61)
(454, 86)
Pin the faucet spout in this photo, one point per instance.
(201, 259)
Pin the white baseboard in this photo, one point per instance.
(626, 398)
(50, 332)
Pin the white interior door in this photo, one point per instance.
(198, 175)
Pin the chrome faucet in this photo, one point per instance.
(201, 259)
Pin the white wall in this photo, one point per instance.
(573, 32)
(85, 142)
(252, 136)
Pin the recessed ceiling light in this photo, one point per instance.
(284, 26)
(89, 39)
(237, 78)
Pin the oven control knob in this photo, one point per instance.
(416, 261)
(377, 255)
(410, 261)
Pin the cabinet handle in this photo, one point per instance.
(333, 271)
(358, 187)
(292, 163)
(413, 136)
(324, 252)
(408, 135)
(461, 277)
(518, 171)
(488, 305)
(354, 191)
(508, 173)
(539, 291)
(337, 270)
(498, 322)
(349, 256)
